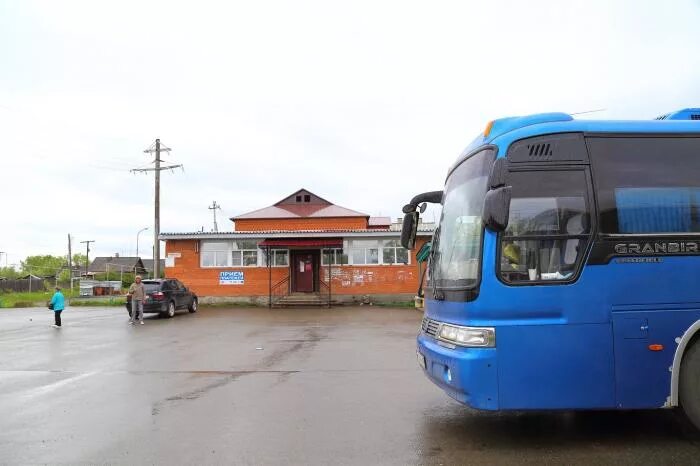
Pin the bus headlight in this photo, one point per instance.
(483, 337)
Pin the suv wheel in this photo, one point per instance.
(171, 309)
(193, 306)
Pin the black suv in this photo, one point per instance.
(164, 296)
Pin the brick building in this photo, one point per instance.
(301, 250)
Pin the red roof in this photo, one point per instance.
(379, 221)
(300, 211)
(303, 243)
(315, 207)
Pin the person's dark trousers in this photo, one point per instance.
(57, 316)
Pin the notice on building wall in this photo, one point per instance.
(231, 278)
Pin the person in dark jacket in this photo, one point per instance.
(58, 304)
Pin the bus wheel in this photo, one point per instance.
(689, 384)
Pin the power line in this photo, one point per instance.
(156, 148)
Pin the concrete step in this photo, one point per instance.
(303, 299)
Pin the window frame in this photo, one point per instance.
(590, 237)
(337, 253)
(217, 252)
(273, 257)
(395, 249)
(228, 253)
(366, 255)
(379, 246)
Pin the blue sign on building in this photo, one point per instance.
(231, 278)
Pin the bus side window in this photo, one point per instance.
(548, 228)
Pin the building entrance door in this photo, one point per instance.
(304, 272)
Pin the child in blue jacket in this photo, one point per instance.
(58, 304)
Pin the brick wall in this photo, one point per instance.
(295, 224)
(347, 280)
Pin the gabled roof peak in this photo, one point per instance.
(303, 196)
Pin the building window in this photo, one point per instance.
(214, 258)
(280, 258)
(298, 198)
(242, 253)
(215, 254)
(245, 253)
(307, 198)
(394, 253)
(336, 255)
(376, 251)
(363, 252)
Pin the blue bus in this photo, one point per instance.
(565, 271)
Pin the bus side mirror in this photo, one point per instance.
(497, 208)
(498, 174)
(409, 229)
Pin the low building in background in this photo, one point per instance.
(116, 264)
(100, 287)
(301, 250)
(148, 265)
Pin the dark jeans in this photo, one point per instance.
(57, 316)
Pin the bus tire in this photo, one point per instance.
(689, 384)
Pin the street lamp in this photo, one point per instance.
(137, 240)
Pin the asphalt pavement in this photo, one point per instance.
(291, 386)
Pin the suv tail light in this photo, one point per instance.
(158, 295)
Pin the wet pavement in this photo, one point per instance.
(293, 386)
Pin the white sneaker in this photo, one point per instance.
(131, 322)
(55, 326)
(142, 322)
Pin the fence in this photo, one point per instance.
(23, 284)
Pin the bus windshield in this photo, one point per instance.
(457, 243)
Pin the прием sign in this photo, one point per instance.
(231, 278)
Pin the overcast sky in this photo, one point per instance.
(363, 103)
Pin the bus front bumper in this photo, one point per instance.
(469, 375)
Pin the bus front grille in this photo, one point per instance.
(430, 327)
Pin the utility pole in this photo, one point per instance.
(70, 265)
(213, 207)
(156, 148)
(3, 252)
(87, 254)
(70, 258)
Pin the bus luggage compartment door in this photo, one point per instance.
(644, 349)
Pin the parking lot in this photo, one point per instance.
(294, 386)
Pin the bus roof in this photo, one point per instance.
(686, 120)
(506, 130)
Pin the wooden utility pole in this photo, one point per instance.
(70, 265)
(87, 254)
(156, 148)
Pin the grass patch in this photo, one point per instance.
(26, 299)
(404, 304)
(116, 301)
(41, 299)
(231, 304)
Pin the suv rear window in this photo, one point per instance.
(150, 287)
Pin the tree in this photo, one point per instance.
(79, 259)
(43, 266)
(8, 272)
